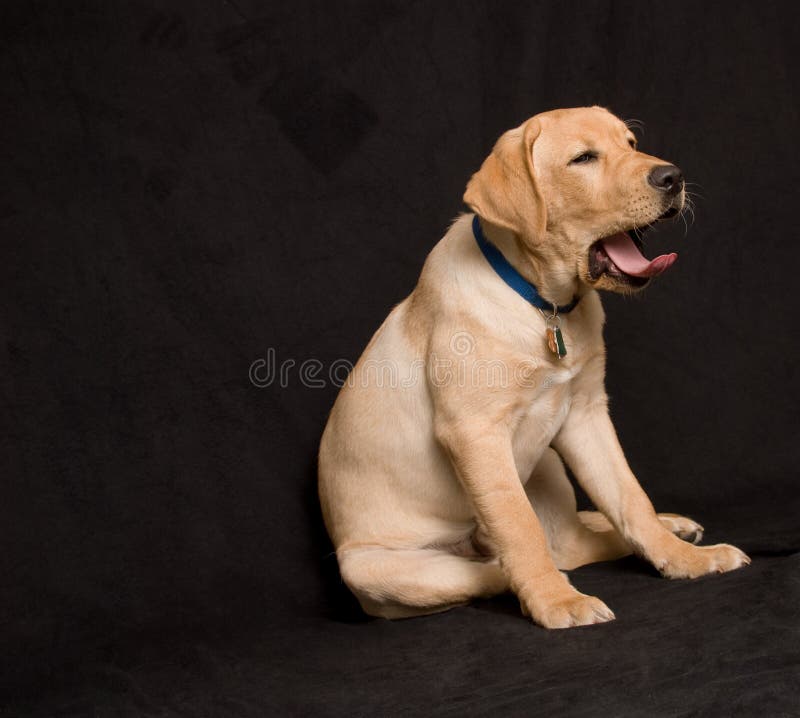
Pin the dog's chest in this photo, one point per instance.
(540, 415)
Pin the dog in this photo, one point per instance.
(441, 474)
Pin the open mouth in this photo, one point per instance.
(620, 256)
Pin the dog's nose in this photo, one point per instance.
(667, 178)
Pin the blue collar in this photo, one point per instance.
(511, 276)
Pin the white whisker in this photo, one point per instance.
(688, 208)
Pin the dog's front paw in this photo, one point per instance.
(571, 609)
(696, 561)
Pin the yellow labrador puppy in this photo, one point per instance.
(440, 469)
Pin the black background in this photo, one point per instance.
(187, 185)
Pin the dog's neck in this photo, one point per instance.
(552, 277)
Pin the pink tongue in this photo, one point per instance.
(623, 252)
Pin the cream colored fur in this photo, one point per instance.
(437, 488)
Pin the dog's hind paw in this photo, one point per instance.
(683, 527)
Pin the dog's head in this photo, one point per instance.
(572, 185)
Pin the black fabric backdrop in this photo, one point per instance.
(190, 186)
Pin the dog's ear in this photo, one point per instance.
(504, 192)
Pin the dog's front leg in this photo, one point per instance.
(483, 459)
(589, 444)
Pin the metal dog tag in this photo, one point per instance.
(555, 340)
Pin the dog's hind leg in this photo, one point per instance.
(682, 526)
(576, 538)
(401, 583)
(571, 541)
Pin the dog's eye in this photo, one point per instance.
(585, 157)
(632, 143)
